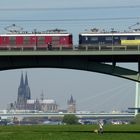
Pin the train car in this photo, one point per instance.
(55, 40)
(130, 42)
(35, 40)
(17, 41)
(114, 38)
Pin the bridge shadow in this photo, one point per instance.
(123, 132)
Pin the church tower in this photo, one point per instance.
(23, 93)
(27, 88)
(71, 105)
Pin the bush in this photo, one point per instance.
(136, 119)
(70, 119)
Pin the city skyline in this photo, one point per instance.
(93, 90)
(26, 102)
(85, 101)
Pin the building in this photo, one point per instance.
(48, 105)
(24, 93)
(24, 101)
(71, 105)
(45, 105)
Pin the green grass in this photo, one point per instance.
(69, 132)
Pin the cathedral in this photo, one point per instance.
(24, 101)
(24, 93)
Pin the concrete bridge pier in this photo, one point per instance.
(137, 98)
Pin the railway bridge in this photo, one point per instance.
(95, 61)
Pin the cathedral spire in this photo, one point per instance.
(42, 96)
(26, 80)
(21, 80)
(27, 88)
(23, 92)
(71, 99)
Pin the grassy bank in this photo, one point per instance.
(66, 132)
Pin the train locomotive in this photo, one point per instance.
(16, 39)
(60, 39)
(105, 39)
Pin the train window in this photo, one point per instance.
(123, 38)
(137, 38)
(64, 38)
(86, 38)
(55, 38)
(12, 40)
(108, 38)
(94, 38)
(41, 38)
(26, 40)
(4, 39)
(116, 37)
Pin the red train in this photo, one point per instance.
(57, 39)
(45, 40)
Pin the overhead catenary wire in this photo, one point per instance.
(70, 19)
(116, 92)
(71, 8)
(116, 98)
(110, 90)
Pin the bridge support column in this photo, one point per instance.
(137, 98)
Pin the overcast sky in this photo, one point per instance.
(64, 3)
(92, 91)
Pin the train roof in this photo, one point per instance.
(103, 32)
(109, 33)
(36, 34)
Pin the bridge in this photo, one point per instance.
(79, 115)
(95, 61)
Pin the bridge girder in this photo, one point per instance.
(67, 62)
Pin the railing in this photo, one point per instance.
(108, 48)
(72, 48)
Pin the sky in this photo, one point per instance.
(63, 3)
(92, 91)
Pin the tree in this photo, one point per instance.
(70, 119)
(136, 120)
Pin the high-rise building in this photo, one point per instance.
(71, 105)
(24, 93)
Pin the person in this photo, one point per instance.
(101, 124)
(50, 46)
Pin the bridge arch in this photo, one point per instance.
(66, 62)
(78, 62)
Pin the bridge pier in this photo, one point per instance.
(137, 98)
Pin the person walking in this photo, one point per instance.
(101, 124)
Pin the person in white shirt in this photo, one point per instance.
(101, 124)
